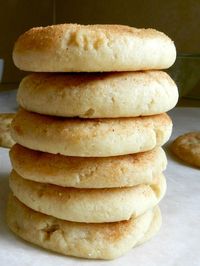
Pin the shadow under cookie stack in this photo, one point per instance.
(87, 167)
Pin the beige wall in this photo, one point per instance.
(180, 19)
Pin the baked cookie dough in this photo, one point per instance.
(187, 148)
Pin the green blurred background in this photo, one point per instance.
(179, 19)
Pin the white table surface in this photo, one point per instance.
(178, 242)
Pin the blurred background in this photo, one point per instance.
(179, 19)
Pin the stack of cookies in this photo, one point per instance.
(87, 166)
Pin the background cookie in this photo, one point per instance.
(187, 148)
(6, 140)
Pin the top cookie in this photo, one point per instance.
(92, 48)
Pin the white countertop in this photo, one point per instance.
(178, 242)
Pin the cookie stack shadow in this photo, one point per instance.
(88, 164)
